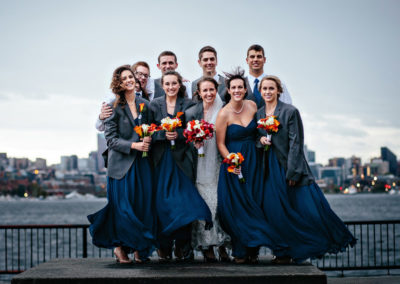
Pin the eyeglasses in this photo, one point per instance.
(140, 74)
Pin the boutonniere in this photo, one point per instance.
(141, 109)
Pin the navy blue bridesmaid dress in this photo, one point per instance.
(302, 216)
(240, 204)
(128, 220)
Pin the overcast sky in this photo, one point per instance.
(340, 61)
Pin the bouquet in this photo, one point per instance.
(269, 124)
(141, 109)
(198, 131)
(170, 124)
(234, 160)
(145, 130)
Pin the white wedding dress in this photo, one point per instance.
(207, 183)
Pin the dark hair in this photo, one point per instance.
(182, 88)
(167, 53)
(274, 79)
(196, 95)
(142, 88)
(256, 47)
(238, 73)
(115, 85)
(207, 49)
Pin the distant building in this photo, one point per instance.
(310, 155)
(315, 170)
(3, 161)
(337, 162)
(377, 167)
(69, 163)
(83, 164)
(391, 158)
(332, 175)
(353, 166)
(40, 164)
(93, 165)
(101, 147)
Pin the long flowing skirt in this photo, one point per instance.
(128, 220)
(302, 216)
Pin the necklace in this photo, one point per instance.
(241, 109)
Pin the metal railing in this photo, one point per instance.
(378, 247)
(24, 246)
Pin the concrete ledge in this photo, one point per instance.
(105, 270)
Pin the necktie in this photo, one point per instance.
(256, 92)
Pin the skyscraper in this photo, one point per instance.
(388, 156)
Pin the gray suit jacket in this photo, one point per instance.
(288, 143)
(221, 87)
(119, 134)
(183, 154)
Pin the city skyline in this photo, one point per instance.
(57, 60)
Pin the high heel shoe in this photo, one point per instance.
(209, 256)
(223, 255)
(163, 257)
(121, 257)
(282, 260)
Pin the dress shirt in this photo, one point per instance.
(284, 97)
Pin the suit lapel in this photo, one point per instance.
(129, 115)
(200, 112)
(277, 109)
(178, 105)
(163, 106)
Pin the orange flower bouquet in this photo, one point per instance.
(170, 124)
(198, 131)
(234, 160)
(269, 124)
(145, 130)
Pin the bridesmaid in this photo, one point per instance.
(127, 223)
(177, 201)
(294, 204)
(239, 204)
(207, 171)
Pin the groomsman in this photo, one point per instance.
(208, 62)
(167, 61)
(256, 61)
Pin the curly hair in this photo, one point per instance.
(182, 88)
(115, 85)
(238, 73)
(196, 96)
(274, 79)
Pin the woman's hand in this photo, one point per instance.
(105, 111)
(237, 171)
(147, 139)
(265, 141)
(292, 182)
(171, 135)
(198, 145)
(141, 146)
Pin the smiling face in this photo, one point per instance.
(127, 80)
(269, 91)
(143, 74)
(207, 92)
(208, 63)
(256, 60)
(237, 90)
(167, 62)
(171, 85)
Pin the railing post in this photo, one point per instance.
(84, 242)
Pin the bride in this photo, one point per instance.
(207, 172)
